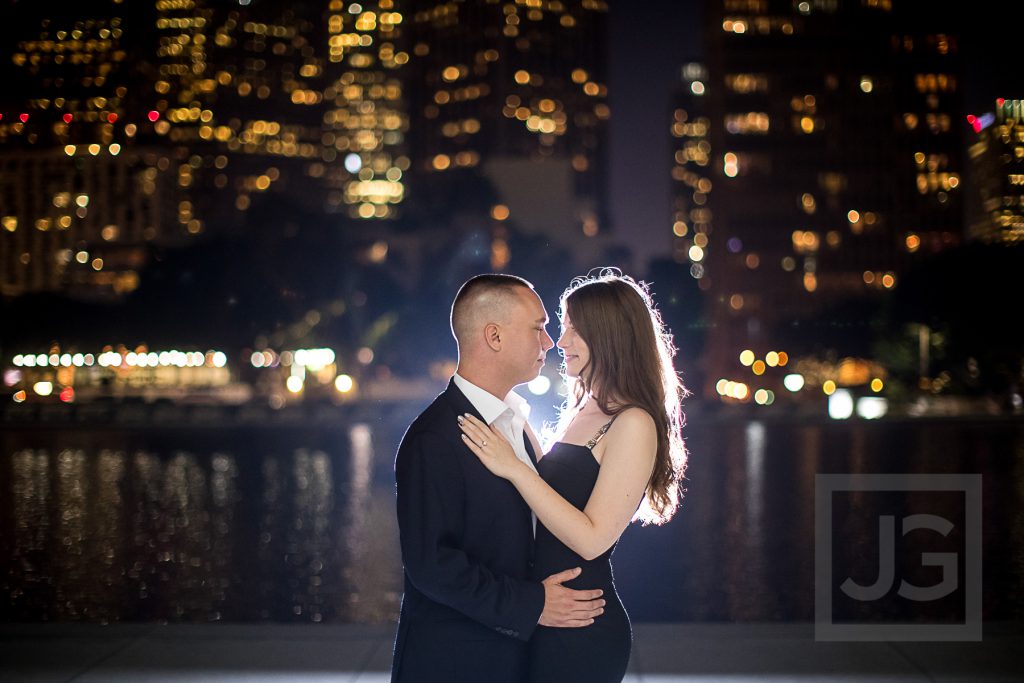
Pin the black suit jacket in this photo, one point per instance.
(467, 541)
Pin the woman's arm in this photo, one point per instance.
(630, 447)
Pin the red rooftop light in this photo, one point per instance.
(153, 115)
(67, 118)
(111, 118)
(1000, 101)
(24, 118)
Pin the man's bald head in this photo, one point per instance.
(483, 299)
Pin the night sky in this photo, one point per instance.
(649, 42)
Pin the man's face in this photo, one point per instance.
(525, 341)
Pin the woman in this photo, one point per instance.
(619, 457)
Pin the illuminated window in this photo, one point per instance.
(752, 6)
(750, 123)
(746, 83)
(832, 183)
(730, 165)
(808, 203)
(933, 83)
(806, 241)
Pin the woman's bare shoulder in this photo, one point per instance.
(633, 432)
(633, 420)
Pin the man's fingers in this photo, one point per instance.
(567, 575)
(577, 623)
(588, 606)
(585, 595)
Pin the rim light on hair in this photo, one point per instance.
(630, 366)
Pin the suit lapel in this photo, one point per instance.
(529, 448)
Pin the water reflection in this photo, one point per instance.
(30, 580)
(308, 547)
(746, 531)
(71, 499)
(270, 534)
(737, 561)
(1016, 589)
(800, 537)
(145, 530)
(109, 546)
(242, 528)
(374, 585)
(184, 535)
(754, 456)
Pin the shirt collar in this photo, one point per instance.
(490, 406)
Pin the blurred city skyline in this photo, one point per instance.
(255, 180)
(669, 33)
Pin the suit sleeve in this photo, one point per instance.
(431, 496)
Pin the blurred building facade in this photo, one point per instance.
(130, 124)
(834, 161)
(515, 92)
(997, 163)
(691, 171)
(67, 176)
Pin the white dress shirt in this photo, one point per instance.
(508, 417)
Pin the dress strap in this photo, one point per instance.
(600, 433)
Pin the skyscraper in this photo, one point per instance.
(158, 122)
(302, 98)
(70, 212)
(997, 164)
(836, 162)
(515, 91)
(691, 172)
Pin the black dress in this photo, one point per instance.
(598, 653)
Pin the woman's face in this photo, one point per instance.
(573, 349)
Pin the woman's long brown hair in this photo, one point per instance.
(630, 366)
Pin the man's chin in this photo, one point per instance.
(532, 376)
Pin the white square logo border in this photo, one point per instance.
(825, 485)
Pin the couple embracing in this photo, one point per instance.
(507, 548)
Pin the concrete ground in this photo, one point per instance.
(662, 653)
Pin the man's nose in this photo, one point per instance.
(548, 342)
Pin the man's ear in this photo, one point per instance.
(492, 335)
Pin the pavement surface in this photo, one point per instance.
(352, 653)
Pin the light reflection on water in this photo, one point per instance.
(754, 452)
(105, 527)
(741, 548)
(187, 535)
(1016, 589)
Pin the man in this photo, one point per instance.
(467, 536)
